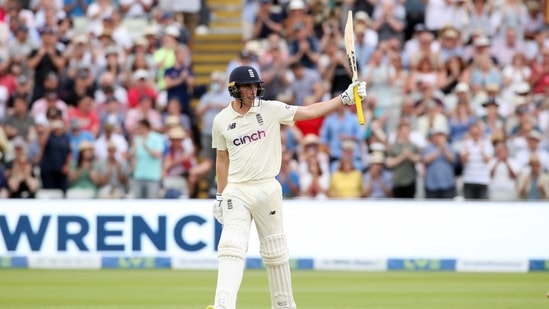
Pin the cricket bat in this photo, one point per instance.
(349, 38)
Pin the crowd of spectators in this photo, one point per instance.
(95, 99)
(457, 105)
(458, 97)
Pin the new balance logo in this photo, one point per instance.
(229, 204)
(272, 212)
(231, 126)
(259, 119)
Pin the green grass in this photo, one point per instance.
(163, 289)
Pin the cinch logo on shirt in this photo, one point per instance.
(249, 138)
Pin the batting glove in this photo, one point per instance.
(348, 96)
(218, 209)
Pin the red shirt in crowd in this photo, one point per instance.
(543, 82)
(311, 126)
(88, 122)
(134, 94)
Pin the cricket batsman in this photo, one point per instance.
(246, 136)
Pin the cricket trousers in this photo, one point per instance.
(259, 202)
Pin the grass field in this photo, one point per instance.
(163, 289)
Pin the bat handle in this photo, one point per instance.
(358, 103)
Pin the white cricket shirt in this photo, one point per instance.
(252, 140)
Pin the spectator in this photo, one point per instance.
(86, 115)
(45, 59)
(535, 19)
(540, 73)
(20, 122)
(135, 9)
(425, 72)
(288, 176)
(178, 80)
(423, 46)
(165, 56)
(306, 85)
(333, 68)
(147, 148)
(304, 47)
(363, 50)
(78, 136)
(480, 17)
(181, 158)
(389, 20)
(533, 184)
(21, 47)
(173, 110)
(98, 10)
(440, 161)
(533, 140)
(503, 174)
(76, 8)
(337, 127)
(402, 157)
(346, 180)
(22, 89)
(108, 137)
(15, 148)
(108, 87)
(22, 183)
(297, 14)
(377, 181)
(83, 174)
(267, 21)
(505, 48)
(112, 63)
(113, 174)
(56, 156)
(515, 73)
(430, 111)
(476, 153)
(50, 100)
(535, 46)
(142, 87)
(485, 72)
(461, 119)
(145, 110)
(78, 55)
(81, 86)
(275, 73)
(492, 121)
(111, 112)
(211, 103)
(376, 74)
(511, 14)
(314, 181)
(455, 70)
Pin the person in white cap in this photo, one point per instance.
(534, 145)
(297, 14)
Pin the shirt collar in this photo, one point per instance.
(235, 114)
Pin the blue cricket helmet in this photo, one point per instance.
(244, 75)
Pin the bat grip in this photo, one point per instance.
(358, 103)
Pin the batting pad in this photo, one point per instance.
(274, 251)
(231, 250)
(233, 242)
